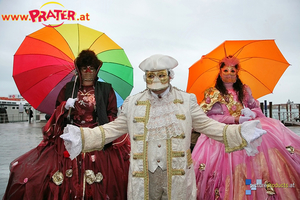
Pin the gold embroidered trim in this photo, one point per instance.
(182, 117)
(138, 175)
(182, 136)
(178, 101)
(202, 167)
(145, 151)
(269, 189)
(103, 137)
(69, 173)
(58, 178)
(179, 172)
(229, 149)
(217, 193)
(189, 157)
(213, 95)
(139, 119)
(138, 156)
(82, 138)
(178, 153)
(169, 167)
(99, 177)
(290, 149)
(142, 103)
(138, 137)
(90, 177)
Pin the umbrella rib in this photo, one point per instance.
(78, 39)
(44, 79)
(62, 53)
(118, 64)
(241, 49)
(256, 79)
(96, 40)
(212, 68)
(248, 58)
(114, 76)
(69, 66)
(49, 74)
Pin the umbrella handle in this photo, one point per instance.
(69, 112)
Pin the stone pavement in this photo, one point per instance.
(20, 137)
(16, 139)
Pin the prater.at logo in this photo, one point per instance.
(50, 12)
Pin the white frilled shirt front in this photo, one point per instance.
(162, 125)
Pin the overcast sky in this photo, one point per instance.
(183, 29)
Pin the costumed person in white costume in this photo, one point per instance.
(159, 121)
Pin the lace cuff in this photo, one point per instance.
(251, 131)
(72, 140)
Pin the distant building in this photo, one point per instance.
(13, 109)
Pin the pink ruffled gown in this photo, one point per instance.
(273, 173)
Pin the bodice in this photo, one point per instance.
(84, 113)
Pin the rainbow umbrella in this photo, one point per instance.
(43, 64)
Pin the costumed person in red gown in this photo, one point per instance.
(47, 172)
(272, 173)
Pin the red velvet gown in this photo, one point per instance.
(47, 172)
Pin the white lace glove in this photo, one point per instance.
(72, 140)
(70, 103)
(251, 131)
(243, 119)
(248, 113)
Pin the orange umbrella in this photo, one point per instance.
(262, 65)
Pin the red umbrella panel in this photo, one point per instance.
(43, 64)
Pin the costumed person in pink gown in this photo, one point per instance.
(47, 172)
(272, 173)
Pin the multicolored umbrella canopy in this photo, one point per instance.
(261, 66)
(43, 64)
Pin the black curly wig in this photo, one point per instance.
(88, 58)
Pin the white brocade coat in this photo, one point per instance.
(133, 120)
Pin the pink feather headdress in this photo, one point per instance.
(230, 61)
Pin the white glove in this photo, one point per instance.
(248, 113)
(251, 131)
(72, 140)
(243, 119)
(70, 103)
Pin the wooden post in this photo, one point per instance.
(287, 112)
(291, 114)
(279, 112)
(299, 110)
(270, 109)
(266, 108)
(262, 107)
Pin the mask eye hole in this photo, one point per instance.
(162, 76)
(150, 75)
(87, 69)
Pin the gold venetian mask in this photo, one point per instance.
(228, 74)
(157, 80)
